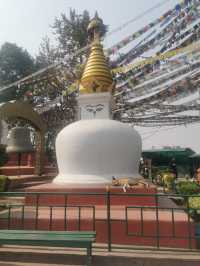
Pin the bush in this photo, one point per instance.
(3, 180)
(187, 188)
(158, 174)
(194, 205)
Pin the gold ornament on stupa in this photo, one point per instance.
(96, 76)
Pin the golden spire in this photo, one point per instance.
(97, 75)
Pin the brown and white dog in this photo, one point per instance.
(127, 182)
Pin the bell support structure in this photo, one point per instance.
(25, 111)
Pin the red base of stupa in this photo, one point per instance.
(90, 195)
(139, 226)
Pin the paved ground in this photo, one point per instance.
(42, 256)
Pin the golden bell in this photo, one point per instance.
(19, 140)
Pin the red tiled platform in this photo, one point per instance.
(76, 199)
(24, 170)
(55, 220)
(26, 159)
(27, 165)
(23, 181)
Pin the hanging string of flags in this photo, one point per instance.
(162, 19)
(47, 88)
(167, 55)
(169, 38)
(183, 86)
(169, 70)
(34, 90)
(40, 83)
(166, 121)
(150, 88)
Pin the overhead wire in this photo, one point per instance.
(141, 15)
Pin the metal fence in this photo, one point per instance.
(130, 220)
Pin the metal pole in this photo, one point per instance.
(108, 220)
(19, 163)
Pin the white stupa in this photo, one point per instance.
(96, 148)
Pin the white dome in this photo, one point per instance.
(92, 151)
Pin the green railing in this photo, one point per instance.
(31, 210)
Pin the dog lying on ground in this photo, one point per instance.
(126, 182)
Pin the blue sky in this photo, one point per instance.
(26, 22)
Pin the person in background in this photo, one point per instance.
(141, 166)
(146, 171)
(173, 167)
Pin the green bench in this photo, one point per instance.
(75, 239)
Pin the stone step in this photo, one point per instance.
(31, 184)
(28, 181)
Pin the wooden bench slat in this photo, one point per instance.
(46, 239)
(44, 236)
(68, 234)
(55, 235)
(49, 232)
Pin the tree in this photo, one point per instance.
(47, 54)
(15, 63)
(71, 35)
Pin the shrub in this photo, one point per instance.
(187, 188)
(158, 173)
(3, 180)
(194, 205)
